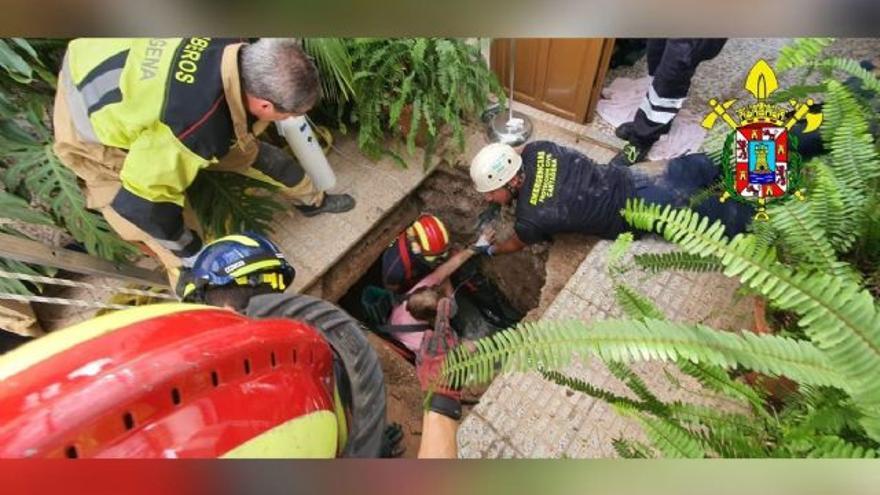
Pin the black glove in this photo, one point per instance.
(392, 442)
(487, 216)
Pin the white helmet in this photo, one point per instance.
(494, 166)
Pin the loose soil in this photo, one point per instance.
(448, 194)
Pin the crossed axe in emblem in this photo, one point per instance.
(761, 82)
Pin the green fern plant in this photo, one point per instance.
(812, 260)
(834, 310)
(801, 52)
(427, 82)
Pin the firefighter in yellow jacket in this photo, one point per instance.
(138, 119)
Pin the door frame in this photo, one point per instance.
(586, 103)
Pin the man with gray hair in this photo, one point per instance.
(138, 119)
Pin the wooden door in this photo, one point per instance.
(563, 76)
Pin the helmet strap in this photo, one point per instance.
(514, 191)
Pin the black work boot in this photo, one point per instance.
(624, 131)
(333, 203)
(630, 155)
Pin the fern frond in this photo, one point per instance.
(551, 345)
(638, 386)
(583, 387)
(631, 449)
(801, 52)
(853, 154)
(619, 248)
(836, 448)
(635, 304)
(836, 209)
(670, 439)
(716, 379)
(824, 418)
(727, 434)
(711, 417)
(853, 68)
(840, 317)
(657, 262)
(805, 240)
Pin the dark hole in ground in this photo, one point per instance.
(519, 277)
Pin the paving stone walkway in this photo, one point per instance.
(523, 415)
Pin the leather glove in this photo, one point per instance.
(436, 343)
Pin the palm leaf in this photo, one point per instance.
(227, 203)
(41, 174)
(334, 64)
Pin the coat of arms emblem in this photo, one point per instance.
(760, 159)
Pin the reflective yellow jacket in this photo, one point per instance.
(175, 106)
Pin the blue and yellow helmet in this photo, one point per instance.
(247, 259)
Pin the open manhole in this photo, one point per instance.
(448, 194)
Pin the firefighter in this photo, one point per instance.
(558, 190)
(138, 119)
(233, 269)
(416, 252)
(671, 64)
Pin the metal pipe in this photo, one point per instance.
(512, 69)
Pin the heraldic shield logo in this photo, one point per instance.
(760, 158)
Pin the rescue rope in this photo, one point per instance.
(83, 285)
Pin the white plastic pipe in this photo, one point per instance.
(305, 146)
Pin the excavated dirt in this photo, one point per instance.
(403, 396)
(448, 194)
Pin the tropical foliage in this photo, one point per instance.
(227, 203)
(43, 191)
(809, 262)
(430, 83)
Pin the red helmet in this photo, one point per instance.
(431, 234)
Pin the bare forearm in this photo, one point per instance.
(438, 437)
(452, 264)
